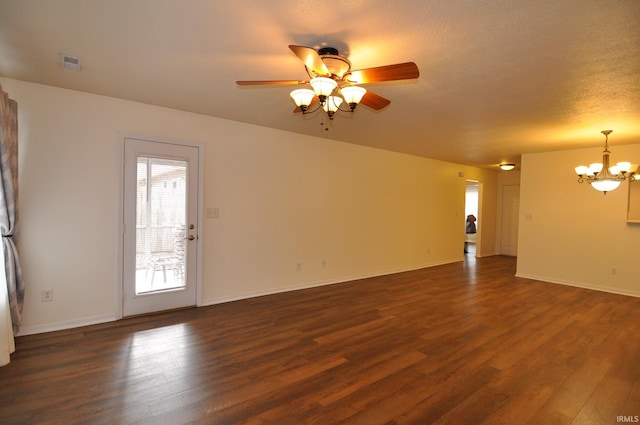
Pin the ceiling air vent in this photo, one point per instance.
(69, 62)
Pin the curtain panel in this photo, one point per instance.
(12, 292)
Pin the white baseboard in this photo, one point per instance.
(67, 324)
(308, 285)
(581, 285)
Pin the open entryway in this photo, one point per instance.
(471, 212)
(160, 223)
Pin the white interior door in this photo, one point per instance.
(509, 217)
(160, 226)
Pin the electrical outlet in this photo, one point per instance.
(299, 267)
(47, 295)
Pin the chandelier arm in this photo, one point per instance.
(317, 106)
(346, 110)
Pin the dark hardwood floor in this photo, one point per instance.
(464, 343)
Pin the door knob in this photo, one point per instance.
(191, 237)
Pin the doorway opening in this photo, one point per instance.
(471, 213)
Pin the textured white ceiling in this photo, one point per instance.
(498, 77)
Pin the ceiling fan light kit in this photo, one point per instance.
(333, 83)
(604, 177)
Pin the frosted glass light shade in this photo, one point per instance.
(353, 94)
(605, 185)
(323, 86)
(332, 104)
(581, 170)
(596, 167)
(624, 166)
(302, 97)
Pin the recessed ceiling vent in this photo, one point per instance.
(70, 62)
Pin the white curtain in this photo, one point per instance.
(11, 283)
(7, 344)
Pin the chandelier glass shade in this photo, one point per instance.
(323, 86)
(331, 105)
(605, 177)
(303, 98)
(330, 97)
(352, 95)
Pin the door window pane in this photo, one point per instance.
(160, 225)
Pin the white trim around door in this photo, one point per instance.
(169, 283)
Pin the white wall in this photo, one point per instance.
(572, 234)
(283, 199)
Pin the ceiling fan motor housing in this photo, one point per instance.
(338, 65)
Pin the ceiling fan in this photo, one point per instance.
(333, 81)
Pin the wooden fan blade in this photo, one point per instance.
(399, 71)
(271, 82)
(313, 102)
(311, 59)
(374, 101)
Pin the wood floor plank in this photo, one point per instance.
(577, 388)
(460, 343)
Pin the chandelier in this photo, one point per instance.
(329, 96)
(602, 176)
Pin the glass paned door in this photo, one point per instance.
(160, 222)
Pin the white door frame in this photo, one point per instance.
(119, 287)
